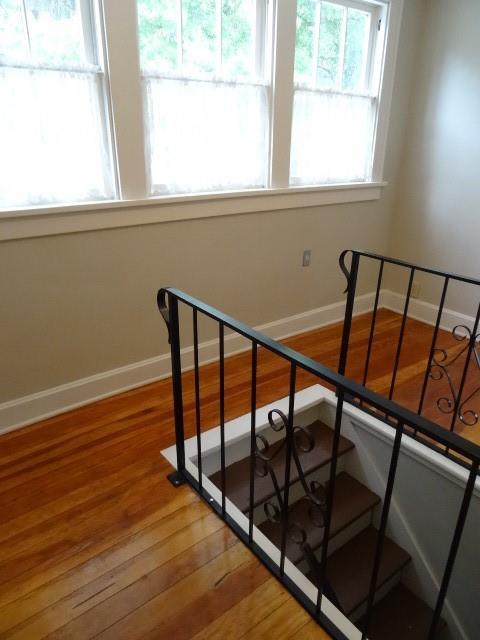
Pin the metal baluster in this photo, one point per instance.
(351, 286)
(458, 399)
(372, 326)
(330, 495)
(383, 526)
(434, 342)
(402, 331)
(253, 411)
(197, 399)
(222, 412)
(288, 456)
(462, 516)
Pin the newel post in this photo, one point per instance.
(351, 277)
(170, 315)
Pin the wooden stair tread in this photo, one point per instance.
(349, 569)
(401, 615)
(351, 500)
(238, 474)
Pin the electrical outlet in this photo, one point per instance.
(415, 289)
(307, 256)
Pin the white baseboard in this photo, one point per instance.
(424, 311)
(26, 410)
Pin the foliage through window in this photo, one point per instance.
(53, 130)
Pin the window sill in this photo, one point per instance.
(73, 218)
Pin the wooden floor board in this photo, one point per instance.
(247, 614)
(309, 631)
(140, 554)
(102, 602)
(281, 623)
(44, 589)
(95, 542)
(236, 569)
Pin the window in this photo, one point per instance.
(336, 91)
(206, 96)
(128, 99)
(54, 143)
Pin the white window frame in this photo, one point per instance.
(374, 64)
(96, 66)
(125, 106)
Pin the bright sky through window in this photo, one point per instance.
(53, 126)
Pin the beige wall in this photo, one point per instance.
(437, 215)
(79, 304)
(83, 303)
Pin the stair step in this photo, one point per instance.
(351, 500)
(238, 473)
(401, 615)
(349, 569)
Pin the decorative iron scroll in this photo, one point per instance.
(315, 493)
(163, 308)
(440, 369)
(344, 268)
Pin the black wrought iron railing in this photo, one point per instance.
(449, 372)
(290, 460)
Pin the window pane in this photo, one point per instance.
(238, 54)
(199, 36)
(207, 128)
(13, 39)
(158, 37)
(332, 132)
(53, 145)
(56, 33)
(330, 44)
(206, 136)
(356, 50)
(331, 138)
(307, 11)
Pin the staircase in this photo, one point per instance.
(433, 524)
(397, 612)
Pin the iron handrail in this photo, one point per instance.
(396, 417)
(403, 415)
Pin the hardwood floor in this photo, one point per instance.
(95, 542)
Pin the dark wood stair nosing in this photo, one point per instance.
(379, 585)
(360, 515)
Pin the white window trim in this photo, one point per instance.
(121, 53)
(393, 19)
(284, 28)
(121, 49)
(111, 214)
